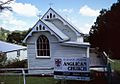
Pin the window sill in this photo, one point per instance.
(43, 57)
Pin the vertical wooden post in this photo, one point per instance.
(24, 80)
(109, 72)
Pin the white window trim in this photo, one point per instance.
(41, 56)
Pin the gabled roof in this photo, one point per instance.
(56, 30)
(48, 27)
(63, 20)
(52, 28)
(9, 47)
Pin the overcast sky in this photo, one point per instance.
(82, 13)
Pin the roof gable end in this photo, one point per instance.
(51, 14)
(42, 25)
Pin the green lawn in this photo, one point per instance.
(116, 65)
(40, 80)
(44, 80)
(29, 80)
(11, 79)
(50, 80)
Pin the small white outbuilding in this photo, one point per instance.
(13, 50)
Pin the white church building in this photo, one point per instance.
(53, 37)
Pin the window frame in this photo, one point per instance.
(36, 48)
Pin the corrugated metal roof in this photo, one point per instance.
(9, 47)
(56, 30)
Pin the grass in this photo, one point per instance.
(40, 80)
(44, 80)
(11, 79)
(50, 80)
(29, 80)
(116, 65)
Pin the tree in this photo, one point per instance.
(106, 31)
(16, 37)
(4, 7)
(16, 63)
(3, 34)
(3, 59)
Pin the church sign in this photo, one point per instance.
(72, 68)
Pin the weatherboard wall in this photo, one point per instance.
(56, 50)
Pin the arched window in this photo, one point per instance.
(39, 27)
(43, 28)
(43, 47)
(47, 16)
(54, 16)
(50, 15)
(36, 28)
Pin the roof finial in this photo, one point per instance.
(39, 15)
(51, 4)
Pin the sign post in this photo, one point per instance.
(72, 68)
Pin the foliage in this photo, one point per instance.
(106, 31)
(16, 63)
(116, 65)
(3, 34)
(4, 7)
(3, 59)
(17, 37)
(86, 38)
(13, 36)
